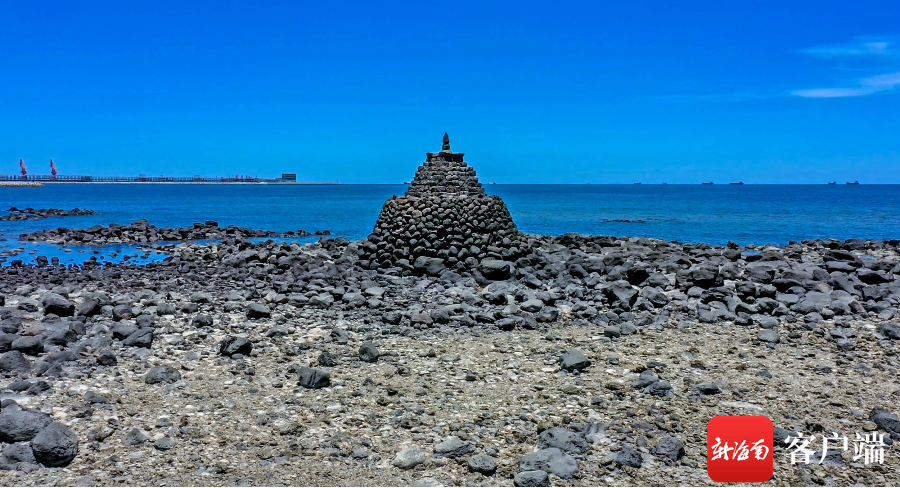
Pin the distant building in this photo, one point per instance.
(291, 177)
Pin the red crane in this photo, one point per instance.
(52, 169)
(24, 171)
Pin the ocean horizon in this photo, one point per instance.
(711, 214)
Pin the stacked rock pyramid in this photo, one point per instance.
(445, 220)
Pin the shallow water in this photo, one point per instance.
(27, 252)
(713, 214)
(138, 254)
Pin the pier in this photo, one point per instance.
(285, 179)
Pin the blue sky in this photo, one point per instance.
(533, 92)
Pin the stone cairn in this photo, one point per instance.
(445, 220)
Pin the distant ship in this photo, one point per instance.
(832, 182)
(738, 183)
(709, 183)
(407, 182)
(491, 183)
(638, 183)
(853, 182)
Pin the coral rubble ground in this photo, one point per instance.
(583, 361)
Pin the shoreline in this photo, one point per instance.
(43, 183)
(20, 184)
(248, 363)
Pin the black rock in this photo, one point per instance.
(164, 443)
(573, 360)
(659, 388)
(622, 293)
(707, 388)
(339, 336)
(56, 445)
(31, 345)
(670, 447)
(313, 378)
(140, 338)
(393, 317)
(106, 358)
(122, 331)
(258, 311)
(647, 378)
(531, 478)
(93, 397)
(122, 312)
(57, 304)
(566, 440)
(202, 320)
(134, 437)
(453, 447)
(768, 335)
(22, 425)
(6, 341)
(780, 437)
(327, 360)
(425, 265)
(495, 269)
(89, 307)
(200, 297)
(890, 330)
(482, 463)
(551, 460)
(629, 457)
(14, 362)
(161, 374)
(235, 345)
(886, 420)
(13, 454)
(38, 387)
(368, 352)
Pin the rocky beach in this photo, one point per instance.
(448, 348)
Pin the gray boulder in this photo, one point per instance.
(424, 265)
(14, 362)
(235, 345)
(21, 425)
(202, 320)
(140, 338)
(566, 440)
(134, 437)
(57, 304)
(314, 378)
(482, 463)
(368, 352)
(886, 420)
(258, 311)
(453, 447)
(161, 374)
(409, 458)
(30, 345)
(55, 446)
(769, 335)
(670, 447)
(573, 360)
(629, 457)
(495, 269)
(890, 330)
(813, 301)
(551, 460)
(13, 454)
(531, 478)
